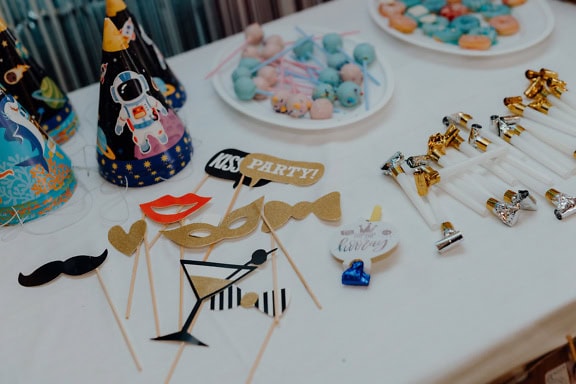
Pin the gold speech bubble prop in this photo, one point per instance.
(261, 166)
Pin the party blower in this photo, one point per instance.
(22, 77)
(141, 140)
(35, 174)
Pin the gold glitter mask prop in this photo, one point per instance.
(185, 236)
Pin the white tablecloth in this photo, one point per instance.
(504, 296)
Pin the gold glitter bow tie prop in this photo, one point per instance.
(279, 213)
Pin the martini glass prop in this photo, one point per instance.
(204, 287)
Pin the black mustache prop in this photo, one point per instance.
(74, 266)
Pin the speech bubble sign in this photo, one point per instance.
(226, 165)
(260, 166)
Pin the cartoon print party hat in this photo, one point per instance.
(35, 174)
(22, 77)
(141, 45)
(140, 140)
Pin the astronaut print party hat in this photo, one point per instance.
(22, 77)
(35, 174)
(140, 140)
(142, 46)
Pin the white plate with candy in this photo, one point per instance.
(300, 76)
(534, 17)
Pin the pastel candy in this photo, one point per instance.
(332, 42)
(261, 84)
(329, 76)
(352, 72)
(297, 105)
(491, 10)
(364, 52)
(475, 5)
(321, 109)
(448, 35)
(269, 73)
(245, 88)
(270, 50)
(430, 28)
(434, 5)
(253, 33)
(251, 51)
(249, 62)
(241, 72)
(349, 94)
(465, 23)
(336, 60)
(303, 50)
(323, 91)
(274, 39)
(279, 100)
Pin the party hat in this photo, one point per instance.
(28, 82)
(35, 175)
(140, 140)
(142, 46)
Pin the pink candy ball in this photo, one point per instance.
(352, 72)
(274, 39)
(269, 73)
(254, 33)
(298, 105)
(279, 101)
(269, 50)
(261, 84)
(251, 51)
(321, 109)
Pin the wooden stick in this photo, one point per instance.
(115, 313)
(275, 281)
(210, 248)
(294, 267)
(230, 206)
(181, 306)
(571, 346)
(132, 282)
(181, 348)
(152, 290)
(261, 351)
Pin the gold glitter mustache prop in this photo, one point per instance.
(325, 208)
(393, 168)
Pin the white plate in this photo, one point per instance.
(262, 110)
(536, 23)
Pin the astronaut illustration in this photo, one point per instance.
(139, 110)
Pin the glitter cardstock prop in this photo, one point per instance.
(193, 202)
(77, 266)
(185, 235)
(127, 243)
(22, 77)
(214, 278)
(279, 213)
(140, 139)
(261, 166)
(35, 174)
(360, 244)
(226, 165)
(143, 47)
